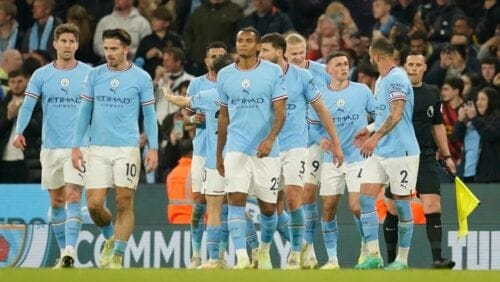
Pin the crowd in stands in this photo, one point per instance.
(460, 39)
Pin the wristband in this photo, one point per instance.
(191, 119)
(371, 127)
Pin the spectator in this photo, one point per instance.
(325, 26)
(125, 16)
(464, 25)
(80, 17)
(150, 48)
(489, 20)
(178, 186)
(172, 76)
(15, 163)
(327, 45)
(367, 74)
(489, 68)
(41, 34)
(452, 63)
(485, 117)
(490, 47)
(11, 60)
(452, 101)
(384, 21)
(420, 44)
(214, 20)
(440, 19)
(404, 11)
(465, 132)
(471, 84)
(10, 35)
(146, 8)
(341, 16)
(43, 57)
(267, 18)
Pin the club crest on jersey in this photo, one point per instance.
(430, 111)
(114, 83)
(245, 83)
(340, 102)
(64, 82)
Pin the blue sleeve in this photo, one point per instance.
(150, 125)
(82, 122)
(24, 115)
(396, 88)
(279, 85)
(223, 99)
(312, 92)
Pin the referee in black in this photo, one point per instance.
(431, 134)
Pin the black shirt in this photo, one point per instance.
(426, 113)
(171, 39)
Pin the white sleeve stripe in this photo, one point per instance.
(87, 98)
(315, 98)
(147, 103)
(280, 98)
(402, 97)
(36, 97)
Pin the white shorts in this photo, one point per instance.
(57, 169)
(401, 173)
(334, 180)
(293, 166)
(213, 183)
(197, 168)
(118, 166)
(314, 161)
(244, 172)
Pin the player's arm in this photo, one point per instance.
(151, 129)
(396, 114)
(222, 124)
(439, 136)
(329, 126)
(81, 126)
(180, 101)
(266, 145)
(23, 119)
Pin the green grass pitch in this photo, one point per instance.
(181, 275)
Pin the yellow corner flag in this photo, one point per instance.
(466, 203)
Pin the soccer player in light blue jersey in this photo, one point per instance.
(197, 117)
(296, 55)
(58, 85)
(348, 103)
(213, 183)
(252, 112)
(394, 155)
(293, 136)
(112, 98)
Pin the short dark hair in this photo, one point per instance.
(490, 60)
(117, 33)
(455, 83)
(216, 44)
(162, 13)
(222, 61)
(66, 28)
(415, 53)
(336, 54)
(176, 53)
(185, 147)
(418, 35)
(493, 99)
(277, 40)
(382, 46)
(367, 69)
(252, 30)
(16, 73)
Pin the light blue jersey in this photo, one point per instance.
(301, 91)
(113, 100)
(198, 84)
(207, 102)
(401, 140)
(60, 91)
(348, 108)
(249, 95)
(321, 79)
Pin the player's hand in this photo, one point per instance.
(368, 146)
(264, 148)
(77, 159)
(19, 141)
(451, 165)
(326, 144)
(220, 166)
(338, 155)
(361, 137)
(199, 118)
(151, 160)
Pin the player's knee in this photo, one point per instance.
(432, 207)
(123, 202)
(267, 209)
(355, 209)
